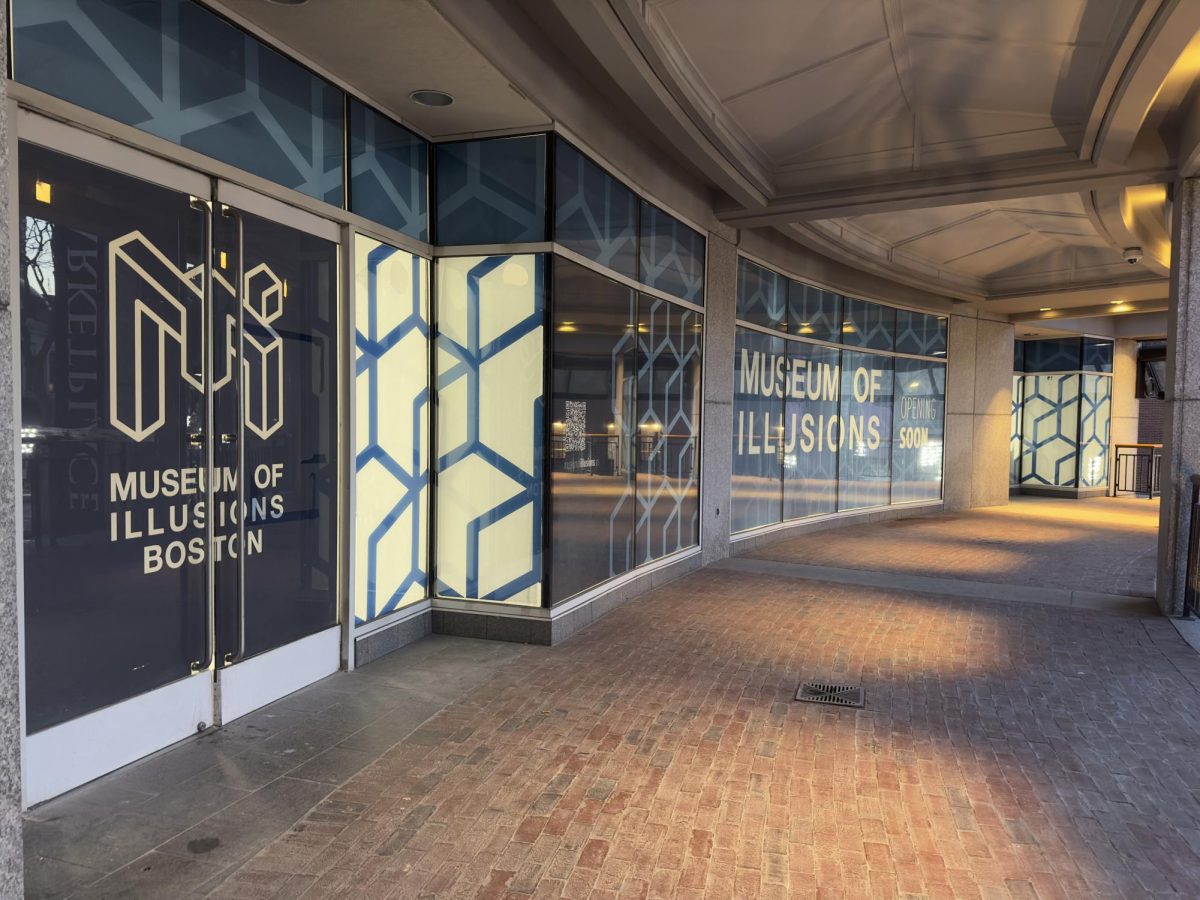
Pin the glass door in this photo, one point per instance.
(179, 389)
(275, 424)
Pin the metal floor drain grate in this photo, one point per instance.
(830, 694)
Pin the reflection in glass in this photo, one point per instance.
(760, 379)
(670, 338)
(866, 324)
(810, 458)
(864, 472)
(391, 428)
(918, 431)
(490, 427)
(592, 429)
(814, 313)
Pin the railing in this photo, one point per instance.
(1136, 469)
(1191, 584)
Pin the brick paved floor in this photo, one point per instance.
(1005, 751)
(1103, 544)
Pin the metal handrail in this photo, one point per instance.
(1132, 475)
(1191, 584)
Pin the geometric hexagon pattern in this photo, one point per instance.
(490, 427)
(1050, 430)
(1095, 421)
(391, 428)
(1061, 429)
(669, 348)
(176, 70)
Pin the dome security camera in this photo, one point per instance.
(1132, 255)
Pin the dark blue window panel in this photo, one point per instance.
(814, 313)
(867, 324)
(1054, 355)
(595, 215)
(1018, 356)
(178, 71)
(672, 255)
(389, 168)
(761, 296)
(1097, 355)
(491, 191)
(921, 334)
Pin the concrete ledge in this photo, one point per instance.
(383, 641)
(537, 625)
(1067, 493)
(749, 541)
(981, 590)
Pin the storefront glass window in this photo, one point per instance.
(595, 214)
(388, 172)
(864, 458)
(918, 432)
(391, 428)
(760, 380)
(672, 255)
(593, 415)
(490, 427)
(811, 430)
(179, 71)
(491, 191)
(670, 338)
(814, 313)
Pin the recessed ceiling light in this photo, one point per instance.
(431, 98)
(288, 2)
(1046, 309)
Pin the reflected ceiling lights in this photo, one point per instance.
(288, 2)
(431, 98)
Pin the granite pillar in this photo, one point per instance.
(1181, 407)
(1124, 426)
(716, 422)
(978, 412)
(11, 866)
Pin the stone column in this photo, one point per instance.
(1124, 428)
(716, 422)
(11, 864)
(1181, 409)
(978, 412)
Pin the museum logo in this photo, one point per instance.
(151, 302)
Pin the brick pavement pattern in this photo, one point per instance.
(1109, 545)
(1005, 751)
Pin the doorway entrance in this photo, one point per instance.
(179, 366)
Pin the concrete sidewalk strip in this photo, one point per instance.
(981, 590)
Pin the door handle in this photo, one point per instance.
(196, 438)
(228, 438)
